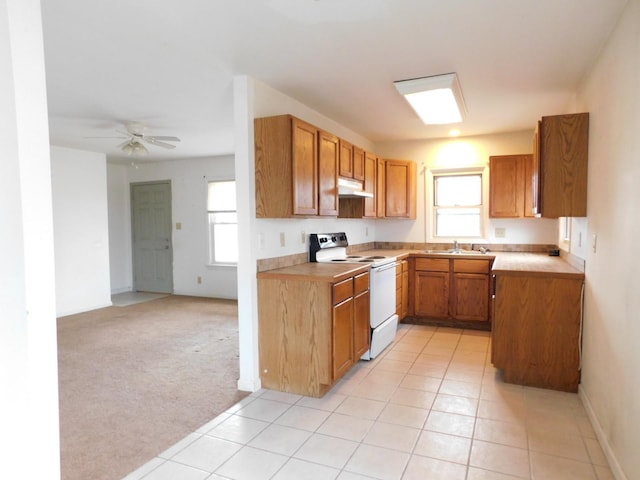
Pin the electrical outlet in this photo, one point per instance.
(282, 240)
(366, 231)
(594, 242)
(500, 232)
(178, 225)
(303, 237)
(199, 279)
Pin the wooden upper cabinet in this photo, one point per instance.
(305, 168)
(399, 189)
(291, 178)
(380, 189)
(511, 186)
(358, 163)
(561, 150)
(370, 166)
(328, 154)
(346, 159)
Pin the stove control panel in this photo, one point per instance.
(321, 241)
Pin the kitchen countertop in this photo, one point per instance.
(505, 263)
(316, 272)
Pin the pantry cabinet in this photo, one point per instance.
(511, 186)
(311, 330)
(296, 166)
(370, 166)
(560, 155)
(451, 289)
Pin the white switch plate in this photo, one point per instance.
(303, 237)
(282, 240)
(594, 242)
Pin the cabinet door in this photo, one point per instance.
(342, 349)
(400, 189)
(370, 165)
(470, 296)
(431, 294)
(506, 186)
(346, 159)
(362, 324)
(328, 154)
(305, 168)
(358, 163)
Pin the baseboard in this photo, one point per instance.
(249, 386)
(602, 438)
(82, 310)
(121, 290)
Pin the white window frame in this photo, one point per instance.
(210, 239)
(430, 208)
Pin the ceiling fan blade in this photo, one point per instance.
(162, 137)
(124, 143)
(120, 136)
(158, 143)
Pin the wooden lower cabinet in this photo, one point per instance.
(402, 289)
(536, 330)
(451, 289)
(311, 332)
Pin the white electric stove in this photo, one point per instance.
(332, 248)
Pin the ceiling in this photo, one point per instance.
(170, 64)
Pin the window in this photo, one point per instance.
(223, 222)
(457, 205)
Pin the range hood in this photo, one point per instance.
(348, 188)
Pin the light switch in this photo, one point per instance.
(500, 232)
(178, 225)
(282, 242)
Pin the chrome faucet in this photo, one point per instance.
(455, 246)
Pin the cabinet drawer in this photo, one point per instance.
(361, 283)
(470, 266)
(433, 264)
(342, 291)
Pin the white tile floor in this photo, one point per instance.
(430, 407)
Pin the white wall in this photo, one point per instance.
(460, 153)
(29, 432)
(611, 363)
(189, 208)
(80, 227)
(120, 256)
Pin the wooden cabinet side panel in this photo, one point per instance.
(305, 168)
(274, 178)
(528, 185)
(536, 331)
(362, 324)
(328, 154)
(295, 335)
(381, 192)
(564, 143)
(370, 165)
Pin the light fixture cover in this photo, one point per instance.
(437, 100)
(135, 149)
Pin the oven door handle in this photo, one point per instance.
(385, 267)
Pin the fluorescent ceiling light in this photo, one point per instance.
(437, 100)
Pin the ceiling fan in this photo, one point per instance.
(135, 138)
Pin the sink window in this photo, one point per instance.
(457, 205)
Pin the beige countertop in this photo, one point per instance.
(316, 272)
(505, 263)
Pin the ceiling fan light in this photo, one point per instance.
(437, 100)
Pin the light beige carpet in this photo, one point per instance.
(134, 380)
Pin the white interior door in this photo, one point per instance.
(151, 227)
